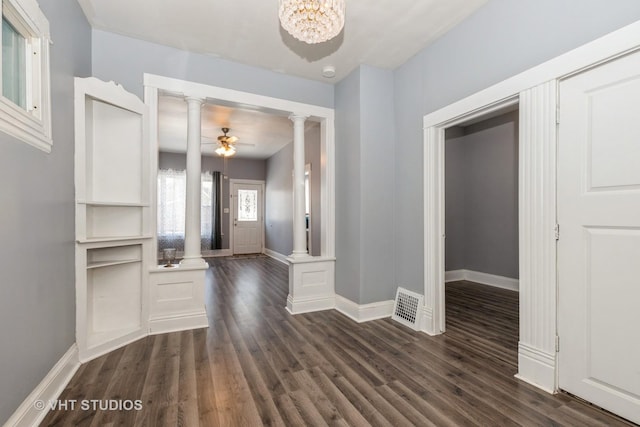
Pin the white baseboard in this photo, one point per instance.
(454, 275)
(276, 255)
(483, 278)
(48, 390)
(182, 322)
(364, 312)
(537, 368)
(427, 322)
(308, 305)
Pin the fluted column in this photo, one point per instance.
(537, 220)
(299, 228)
(192, 254)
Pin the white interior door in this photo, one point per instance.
(247, 218)
(599, 246)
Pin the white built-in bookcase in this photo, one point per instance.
(113, 216)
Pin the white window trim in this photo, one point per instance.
(32, 126)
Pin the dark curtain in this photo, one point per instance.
(216, 211)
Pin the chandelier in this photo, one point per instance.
(312, 21)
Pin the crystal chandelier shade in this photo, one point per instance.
(312, 21)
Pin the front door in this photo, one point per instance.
(599, 246)
(247, 218)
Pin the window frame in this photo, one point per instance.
(33, 124)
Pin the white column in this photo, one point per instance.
(537, 219)
(192, 255)
(299, 228)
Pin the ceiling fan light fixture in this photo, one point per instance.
(312, 21)
(225, 144)
(226, 150)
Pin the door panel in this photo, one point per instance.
(599, 246)
(247, 218)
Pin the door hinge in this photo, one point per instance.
(556, 229)
(558, 115)
(557, 343)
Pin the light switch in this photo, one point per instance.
(226, 210)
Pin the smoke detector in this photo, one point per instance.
(328, 71)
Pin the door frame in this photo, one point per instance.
(232, 182)
(536, 92)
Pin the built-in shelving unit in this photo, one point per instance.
(113, 216)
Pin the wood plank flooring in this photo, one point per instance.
(257, 365)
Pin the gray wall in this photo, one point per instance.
(365, 137)
(279, 198)
(377, 184)
(501, 39)
(124, 60)
(278, 213)
(236, 169)
(455, 183)
(481, 193)
(37, 284)
(347, 197)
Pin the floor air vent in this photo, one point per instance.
(407, 307)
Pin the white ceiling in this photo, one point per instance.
(260, 135)
(380, 33)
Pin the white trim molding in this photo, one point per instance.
(364, 312)
(482, 278)
(454, 275)
(276, 255)
(36, 406)
(536, 367)
(433, 171)
(178, 322)
(426, 321)
(310, 304)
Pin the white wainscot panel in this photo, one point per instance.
(311, 284)
(177, 299)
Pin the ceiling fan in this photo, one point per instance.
(226, 144)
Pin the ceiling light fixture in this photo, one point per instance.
(225, 144)
(226, 150)
(312, 21)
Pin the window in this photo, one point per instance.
(247, 205)
(172, 195)
(14, 65)
(25, 102)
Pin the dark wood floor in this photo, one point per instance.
(258, 365)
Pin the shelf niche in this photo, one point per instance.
(113, 216)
